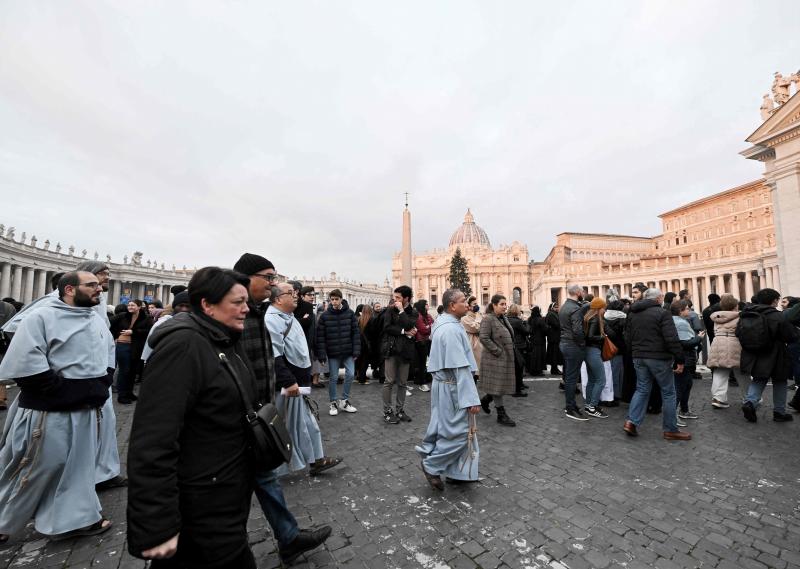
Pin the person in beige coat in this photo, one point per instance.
(725, 351)
(497, 375)
(472, 324)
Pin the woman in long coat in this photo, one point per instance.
(538, 351)
(497, 364)
(725, 352)
(554, 357)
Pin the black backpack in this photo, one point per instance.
(753, 331)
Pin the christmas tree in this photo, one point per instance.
(459, 275)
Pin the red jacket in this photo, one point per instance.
(424, 323)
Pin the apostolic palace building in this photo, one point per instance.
(738, 240)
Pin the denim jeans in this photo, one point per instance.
(270, 496)
(573, 358)
(349, 371)
(124, 367)
(778, 393)
(617, 373)
(683, 386)
(660, 372)
(596, 376)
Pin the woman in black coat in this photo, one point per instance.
(538, 342)
(521, 333)
(554, 357)
(190, 466)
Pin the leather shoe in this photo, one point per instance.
(677, 436)
(485, 400)
(118, 481)
(306, 540)
(433, 479)
(630, 429)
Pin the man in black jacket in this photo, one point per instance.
(257, 345)
(653, 341)
(772, 362)
(713, 306)
(399, 328)
(573, 347)
(374, 333)
(339, 341)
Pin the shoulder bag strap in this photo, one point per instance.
(250, 414)
(289, 327)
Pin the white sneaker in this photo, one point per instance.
(425, 387)
(409, 393)
(334, 408)
(344, 405)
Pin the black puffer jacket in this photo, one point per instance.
(594, 339)
(189, 465)
(774, 363)
(521, 332)
(650, 333)
(338, 335)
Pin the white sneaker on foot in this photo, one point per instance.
(425, 387)
(344, 405)
(334, 408)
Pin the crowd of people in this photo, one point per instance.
(236, 341)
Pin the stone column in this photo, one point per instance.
(748, 285)
(696, 299)
(27, 291)
(769, 277)
(41, 284)
(16, 284)
(776, 274)
(5, 280)
(113, 292)
(721, 284)
(762, 279)
(139, 290)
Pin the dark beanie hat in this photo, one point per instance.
(181, 298)
(177, 289)
(250, 264)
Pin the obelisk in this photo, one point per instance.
(405, 252)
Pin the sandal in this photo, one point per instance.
(95, 529)
(323, 464)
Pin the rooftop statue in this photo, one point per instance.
(46, 244)
(780, 88)
(767, 106)
(10, 232)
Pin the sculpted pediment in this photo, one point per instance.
(784, 119)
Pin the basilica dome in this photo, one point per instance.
(470, 235)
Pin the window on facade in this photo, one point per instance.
(516, 257)
(749, 202)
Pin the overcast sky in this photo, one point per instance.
(195, 131)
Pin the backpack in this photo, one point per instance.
(752, 330)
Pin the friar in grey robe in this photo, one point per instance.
(107, 461)
(61, 356)
(450, 446)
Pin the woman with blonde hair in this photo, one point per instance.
(363, 359)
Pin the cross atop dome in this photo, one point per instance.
(470, 235)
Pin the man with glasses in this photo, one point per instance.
(62, 358)
(257, 344)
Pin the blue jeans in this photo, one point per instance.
(349, 372)
(124, 371)
(596, 376)
(660, 372)
(617, 373)
(573, 358)
(778, 393)
(270, 496)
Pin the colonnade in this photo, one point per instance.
(742, 284)
(26, 283)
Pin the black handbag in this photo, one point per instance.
(272, 445)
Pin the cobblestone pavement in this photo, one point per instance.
(555, 493)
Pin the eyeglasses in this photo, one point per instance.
(268, 278)
(93, 285)
(291, 292)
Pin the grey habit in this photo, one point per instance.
(47, 459)
(107, 462)
(450, 448)
(290, 342)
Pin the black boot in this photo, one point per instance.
(504, 419)
(485, 400)
(306, 540)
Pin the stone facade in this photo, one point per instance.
(722, 243)
(26, 267)
(353, 292)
